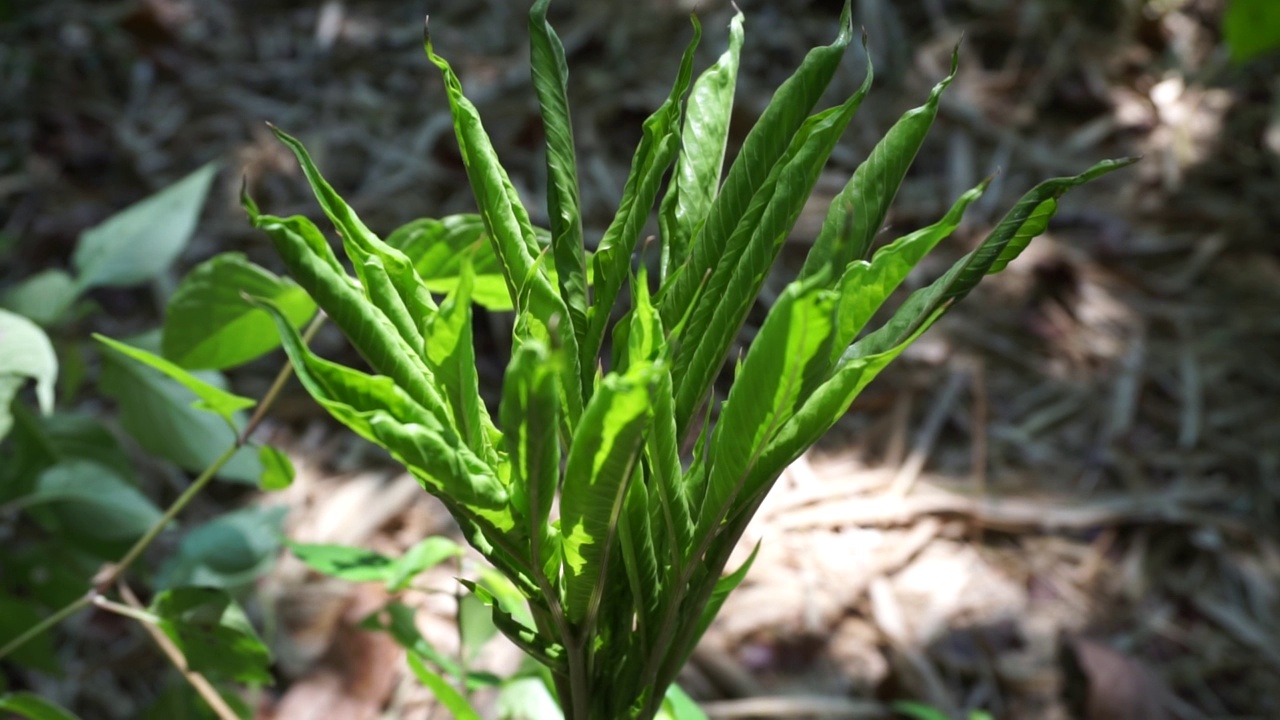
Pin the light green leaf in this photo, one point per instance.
(418, 559)
(230, 551)
(397, 620)
(703, 139)
(527, 698)
(524, 637)
(451, 354)
(352, 564)
(448, 695)
(44, 298)
(602, 461)
(159, 413)
(142, 241)
(277, 468)
(33, 707)
(550, 81)
(213, 634)
(208, 325)
(25, 352)
(437, 248)
(530, 424)
(214, 399)
(679, 706)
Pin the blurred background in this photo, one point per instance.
(1061, 503)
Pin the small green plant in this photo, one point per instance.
(577, 491)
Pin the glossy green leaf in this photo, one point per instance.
(524, 637)
(33, 707)
(212, 398)
(437, 247)
(748, 254)
(160, 414)
(277, 468)
(25, 353)
(213, 634)
(550, 81)
(451, 354)
(857, 213)
(447, 694)
(659, 144)
(208, 325)
(141, 242)
(529, 412)
(703, 139)
(601, 463)
(230, 551)
(43, 298)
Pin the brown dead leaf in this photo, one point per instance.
(1100, 683)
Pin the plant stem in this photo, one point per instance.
(70, 609)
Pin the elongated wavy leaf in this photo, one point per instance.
(602, 461)
(548, 653)
(858, 211)
(702, 149)
(528, 412)
(550, 80)
(452, 357)
(747, 255)
(437, 247)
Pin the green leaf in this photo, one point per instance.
(448, 695)
(437, 248)
(230, 551)
(679, 706)
(550, 81)
(213, 634)
(214, 399)
(277, 469)
(25, 352)
(720, 593)
(33, 707)
(17, 615)
(159, 413)
(917, 710)
(527, 698)
(352, 564)
(1251, 28)
(92, 503)
(601, 463)
(746, 256)
(44, 298)
(857, 213)
(418, 559)
(397, 620)
(705, 134)
(524, 637)
(208, 325)
(451, 354)
(659, 144)
(529, 412)
(511, 234)
(142, 241)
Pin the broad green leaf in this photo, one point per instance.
(43, 298)
(142, 241)
(437, 248)
(529, 412)
(764, 146)
(865, 286)
(857, 213)
(679, 706)
(788, 358)
(25, 353)
(533, 290)
(209, 326)
(230, 551)
(1251, 28)
(214, 399)
(447, 694)
(550, 81)
(40, 442)
(395, 288)
(92, 503)
(748, 254)
(659, 144)
(451, 354)
(312, 265)
(705, 134)
(159, 413)
(277, 468)
(213, 634)
(418, 559)
(33, 707)
(601, 463)
(352, 564)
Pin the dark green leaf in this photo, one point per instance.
(1251, 28)
(208, 324)
(91, 502)
(142, 241)
(213, 634)
(230, 551)
(33, 707)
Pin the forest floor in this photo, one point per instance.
(1061, 502)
